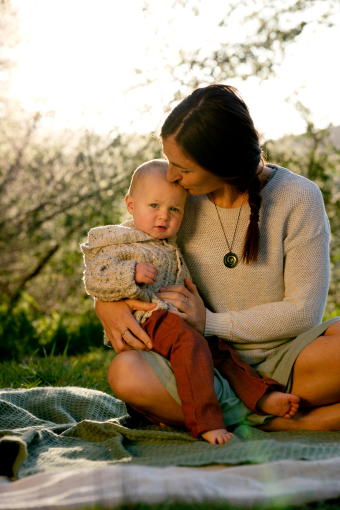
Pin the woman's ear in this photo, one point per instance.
(129, 203)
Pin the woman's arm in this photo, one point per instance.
(116, 317)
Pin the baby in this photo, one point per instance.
(134, 260)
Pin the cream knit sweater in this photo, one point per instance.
(258, 307)
(111, 255)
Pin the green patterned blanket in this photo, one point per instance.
(46, 429)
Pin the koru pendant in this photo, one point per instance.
(230, 260)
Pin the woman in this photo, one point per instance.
(255, 238)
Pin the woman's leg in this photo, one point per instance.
(316, 381)
(316, 375)
(133, 381)
(315, 418)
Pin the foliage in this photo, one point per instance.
(53, 189)
(27, 329)
(9, 33)
(250, 39)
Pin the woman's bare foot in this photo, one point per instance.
(219, 436)
(278, 404)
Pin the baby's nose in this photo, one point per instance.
(164, 214)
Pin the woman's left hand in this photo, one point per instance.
(188, 301)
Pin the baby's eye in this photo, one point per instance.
(173, 209)
(153, 205)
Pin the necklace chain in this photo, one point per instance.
(234, 261)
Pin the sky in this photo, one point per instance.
(79, 58)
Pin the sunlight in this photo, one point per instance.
(107, 64)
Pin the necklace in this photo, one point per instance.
(230, 259)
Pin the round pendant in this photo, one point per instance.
(230, 260)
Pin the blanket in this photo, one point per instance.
(280, 484)
(49, 429)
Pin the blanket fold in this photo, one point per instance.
(49, 429)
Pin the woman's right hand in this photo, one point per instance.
(116, 317)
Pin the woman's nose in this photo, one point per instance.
(173, 174)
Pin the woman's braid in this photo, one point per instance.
(252, 242)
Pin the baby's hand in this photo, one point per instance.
(146, 273)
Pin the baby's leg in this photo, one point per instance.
(192, 364)
(260, 395)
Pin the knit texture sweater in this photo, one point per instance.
(261, 306)
(111, 255)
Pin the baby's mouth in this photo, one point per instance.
(160, 227)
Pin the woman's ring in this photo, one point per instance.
(125, 330)
(186, 299)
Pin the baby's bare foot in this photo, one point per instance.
(219, 436)
(279, 404)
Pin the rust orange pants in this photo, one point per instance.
(193, 359)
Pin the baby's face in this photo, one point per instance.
(157, 206)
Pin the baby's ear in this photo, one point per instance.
(129, 203)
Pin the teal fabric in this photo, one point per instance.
(233, 409)
(69, 428)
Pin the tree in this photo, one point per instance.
(249, 38)
(55, 185)
(52, 191)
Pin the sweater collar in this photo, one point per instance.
(130, 224)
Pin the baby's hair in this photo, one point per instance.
(155, 164)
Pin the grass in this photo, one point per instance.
(87, 370)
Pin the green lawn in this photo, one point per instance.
(87, 370)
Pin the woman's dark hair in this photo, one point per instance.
(214, 127)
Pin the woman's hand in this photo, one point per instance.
(116, 318)
(188, 301)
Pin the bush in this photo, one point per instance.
(26, 330)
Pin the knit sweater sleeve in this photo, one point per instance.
(109, 277)
(306, 280)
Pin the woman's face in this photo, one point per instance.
(187, 172)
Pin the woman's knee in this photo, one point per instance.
(123, 371)
(333, 329)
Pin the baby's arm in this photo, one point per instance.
(146, 272)
(110, 276)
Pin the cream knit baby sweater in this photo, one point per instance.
(111, 255)
(258, 307)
